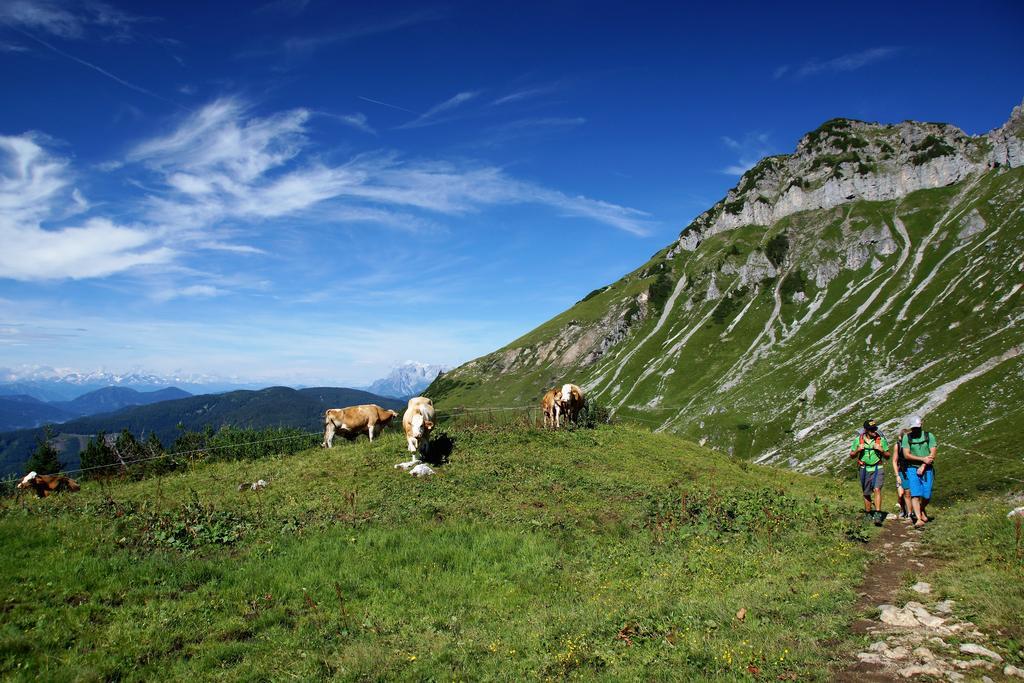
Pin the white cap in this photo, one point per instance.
(915, 421)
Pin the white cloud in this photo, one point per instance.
(750, 149)
(430, 117)
(35, 188)
(526, 94)
(58, 19)
(357, 121)
(848, 62)
(222, 163)
(191, 291)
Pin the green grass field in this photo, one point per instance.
(611, 553)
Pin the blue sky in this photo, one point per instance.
(308, 192)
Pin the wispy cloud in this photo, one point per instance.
(429, 118)
(301, 46)
(98, 69)
(532, 128)
(223, 163)
(386, 104)
(848, 62)
(34, 188)
(749, 150)
(357, 120)
(525, 94)
(63, 21)
(222, 172)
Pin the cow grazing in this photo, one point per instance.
(366, 419)
(45, 484)
(549, 404)
(418, 421)
(570, 402)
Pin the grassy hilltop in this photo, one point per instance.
(611, 553)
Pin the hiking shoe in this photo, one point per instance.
(904, 515)
(879, 518)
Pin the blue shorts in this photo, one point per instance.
(921, 487)
(903, 480)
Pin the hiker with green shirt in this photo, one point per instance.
(919, 448)
(870, 448)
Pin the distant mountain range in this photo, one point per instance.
(20, 411)
(53, 386)
(407, 379)
(272, 407)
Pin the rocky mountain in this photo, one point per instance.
(874, 272)
(405, 380)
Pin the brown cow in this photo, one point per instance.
(45, 484)
(549, 404)
(366, 419)
(570, 402)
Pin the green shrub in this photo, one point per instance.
(46, 458)
(593, 414)
(931, 147)
(659, 291)
(777, 248)
(793, 282)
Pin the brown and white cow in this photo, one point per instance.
(366, 419)
(418, 421)
(570, 402)
(45, 484)
(549, 404)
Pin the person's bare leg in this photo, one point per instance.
(917, 511)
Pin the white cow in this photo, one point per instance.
(418, 420)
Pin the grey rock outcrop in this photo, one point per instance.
(845, 160)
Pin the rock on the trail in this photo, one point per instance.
(972, 664)
(974, 649)
(945, 607)
(895, 616)
(896, 653)
(1011, 670)
(955, 676)
(879, 646)
(922, 615)
(920, 670)
(870, 658)
(922, 587)
(923, 653)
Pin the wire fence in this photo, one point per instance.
(456, 418)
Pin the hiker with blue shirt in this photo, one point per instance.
(870, 448)
(918, 447)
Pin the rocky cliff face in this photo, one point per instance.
(845, 160)
(875, 272)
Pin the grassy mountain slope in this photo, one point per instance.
(272, 407)
(774, 342)
(611, 552)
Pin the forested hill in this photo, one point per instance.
(272, 407)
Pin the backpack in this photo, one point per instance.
(911, 441)
(876, 447)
